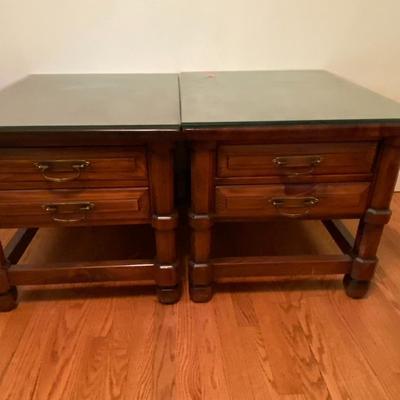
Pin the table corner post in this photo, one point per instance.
(164, 222)
(203, 166)
(371, 226)
(8, 293)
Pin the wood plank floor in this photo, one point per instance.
(287, 339)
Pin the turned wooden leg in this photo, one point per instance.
(165, 221)
(8, 300)
(355, 289)
(169, 295)
(8, 294)
(365, 261)
(200, 268)
(200, 289)
(371, 226)
(167, 274)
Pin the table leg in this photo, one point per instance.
(200, 268)
(165, 221)
(371, 226)
(358, 281)
(8, 294)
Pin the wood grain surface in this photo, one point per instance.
(261, 339)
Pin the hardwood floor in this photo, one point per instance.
(287, 339)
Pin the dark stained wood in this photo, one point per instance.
(75, 151)
(4, 284)
(370, 229)
(109, 271)
(386, 175)
(18, 244)
(282, 265)
(341, 235)
(106, 167)
(203, 167)
(355, 289)
(165, 220)
(332, 200)
(8, 294)
(286, 133)
(267, 180)
(8, 300)
(109, 206)
(295, 160)
(288, 148)
(86, 137)
(240, 200)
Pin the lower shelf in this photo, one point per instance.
(108, 271)
(281, 265)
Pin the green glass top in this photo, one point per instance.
(138, 101)
(267, 97)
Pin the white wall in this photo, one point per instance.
(359, 39)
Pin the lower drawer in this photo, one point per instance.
(296, 201)
(73, 207)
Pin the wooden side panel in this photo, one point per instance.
(370, 229)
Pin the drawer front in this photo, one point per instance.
(73, 207)
(296, 160)
(296, 201)
(72, 167)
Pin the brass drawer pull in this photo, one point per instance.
(298, 162)
(71, 166)
(281, 203)
(59, 209)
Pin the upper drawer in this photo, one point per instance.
(72, 167)
(296, 160)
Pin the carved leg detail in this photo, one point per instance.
(369, 233)
(200, 218)
(200, 270)
(165, 221)
(375, 218)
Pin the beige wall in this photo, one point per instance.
(359, 39)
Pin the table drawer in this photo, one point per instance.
(72, 167)
(296, 160)
(294, 200)
(73, 207)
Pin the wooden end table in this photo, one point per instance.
(288, 144)
(85, 150)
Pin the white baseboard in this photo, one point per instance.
(397, 189)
